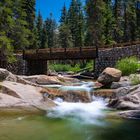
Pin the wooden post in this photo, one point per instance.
(94, 65)
(96, 51)
(80, 50)
(46, 67)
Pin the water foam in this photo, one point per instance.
(83, 112)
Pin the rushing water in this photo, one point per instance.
(70, 121)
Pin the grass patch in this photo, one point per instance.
(128, 65)
(70, 68)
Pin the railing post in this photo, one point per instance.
(65, 49)
(96, 51)
(80, 49)
(50, 50)
(23, 53)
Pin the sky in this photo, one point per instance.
(48, 6)
(51, 6)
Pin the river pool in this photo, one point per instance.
(70, 121)
(42, 127)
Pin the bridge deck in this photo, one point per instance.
(61, 53)
(71, 53)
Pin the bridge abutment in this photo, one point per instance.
(35, 67)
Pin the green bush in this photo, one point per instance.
(60, 67)
(135, 79)
(67, 67)
(128, 65)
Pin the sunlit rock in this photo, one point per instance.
(6, 75)
(109, 75)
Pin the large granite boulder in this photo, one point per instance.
(109, 75)
(129, 100)
(28, 94)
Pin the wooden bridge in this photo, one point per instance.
(70, 53)
(61, 53)
(37, 59)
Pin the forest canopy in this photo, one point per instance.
(97, 22)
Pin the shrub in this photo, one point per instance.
(128, 65)
(67, 67)
(135, 79)
(60, 67)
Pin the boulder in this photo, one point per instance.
(27, 93)
(6, 75)
(49, 80)
(42, 79)
(109, 75)
(132, 114)
(10, 101)
(105, 93)
(74, 96)
(130, 101)
(120, 84)
(70, 95)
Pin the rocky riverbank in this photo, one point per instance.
(123, 95)
(28, 93)
(32, 93)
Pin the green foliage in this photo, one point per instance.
(60, 67)
(67, 67)
(135, 79)
(75, 18)
(65, 36)
(128, 65)
(51, 26)
(29, 7)
(13, 28)
(97, 22)
(39, 29)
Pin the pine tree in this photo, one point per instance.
(6, 25)
(76, 23)
(132, 21)
(64, 14)
(95, 12)
(65, 37)
(50, 29)
(44, 37)
(20, 33)
(138, 19)
(109, 23)
(29, 7)
(119, 21)
(39, 27)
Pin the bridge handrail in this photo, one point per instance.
(50, 50)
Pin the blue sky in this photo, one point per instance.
(48, 6)
(54, 6)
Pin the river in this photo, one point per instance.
(70, 121)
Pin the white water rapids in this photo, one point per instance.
(88, 113)
(83, 112)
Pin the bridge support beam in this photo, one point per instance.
(36, 67)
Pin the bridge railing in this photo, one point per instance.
(77, 49)
(52, 50)
(126, 44)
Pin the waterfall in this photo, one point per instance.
(88, 113)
